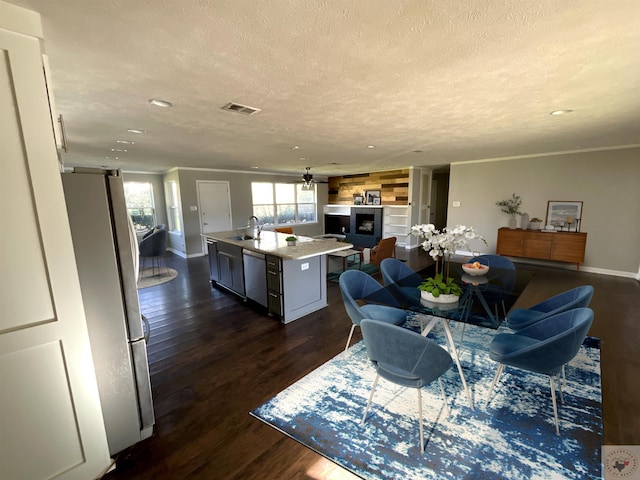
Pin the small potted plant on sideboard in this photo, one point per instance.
(534, 223)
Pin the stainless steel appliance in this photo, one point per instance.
(106, 253)
(255, 276)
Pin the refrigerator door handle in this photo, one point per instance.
(147, 328)
(143, 382)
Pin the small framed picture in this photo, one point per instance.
(564, 215)
(370, 196)
(376, 200)
(358, 199)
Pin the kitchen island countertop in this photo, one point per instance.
(274, 243)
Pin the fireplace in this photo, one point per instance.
(365, 226)
(365, 223)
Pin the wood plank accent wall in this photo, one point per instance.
(393, 186)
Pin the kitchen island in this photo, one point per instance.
(290, 281)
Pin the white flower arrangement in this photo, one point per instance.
(443, 244)
(440, 244)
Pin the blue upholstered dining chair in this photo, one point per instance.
(405, 358)
(356, 285)
(396, 272)
(496, 293)
(579, 297)
(544, 347)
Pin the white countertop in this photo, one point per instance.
(274, 243)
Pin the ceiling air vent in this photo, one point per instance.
(244, 109)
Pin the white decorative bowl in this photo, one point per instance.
(475, 272)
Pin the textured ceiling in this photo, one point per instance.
(427, 82)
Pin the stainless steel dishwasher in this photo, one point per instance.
(255, 276)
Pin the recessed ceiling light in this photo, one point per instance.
(126, 142)
(255, 168)
(135, 130)
(160, 103)
(560, 112)
(117, 150)
(371, 146)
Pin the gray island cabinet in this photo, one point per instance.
(290, 281)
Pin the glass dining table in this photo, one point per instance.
(484, 302)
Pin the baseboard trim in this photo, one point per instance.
(563, 265)
(177, 252)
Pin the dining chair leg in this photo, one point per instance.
(564, 378)
(446, 400)
(373, 389)
(493, 383)
(353, 327)
(420, 419)
(555, 406)
(560, 389)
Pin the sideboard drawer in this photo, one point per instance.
(538, 244)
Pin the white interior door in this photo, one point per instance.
(214, 203)
(50, 417)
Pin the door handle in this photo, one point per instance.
(205, 223)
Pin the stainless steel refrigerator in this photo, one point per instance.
(106, 253)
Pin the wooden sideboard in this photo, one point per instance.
(559, 246)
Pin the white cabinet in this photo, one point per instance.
(50, 413)
(396, 223)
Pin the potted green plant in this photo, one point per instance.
(291, 241)
(534, 223)
(439, 285)
(511, 206)
(441, 288)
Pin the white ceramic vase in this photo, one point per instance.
(512, 221)
(426, 296)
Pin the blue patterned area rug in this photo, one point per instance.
(511, 438)
(367, 268)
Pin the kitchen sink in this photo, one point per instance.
(241, 237)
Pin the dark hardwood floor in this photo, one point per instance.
(213, 359)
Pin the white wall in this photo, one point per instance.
(606, 181)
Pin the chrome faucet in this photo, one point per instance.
(258, 226)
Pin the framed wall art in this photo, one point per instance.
(358, 200)
(564, 215)
(370, 196)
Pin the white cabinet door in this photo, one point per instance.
(50, 418)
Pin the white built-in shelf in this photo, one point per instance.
(396, 223)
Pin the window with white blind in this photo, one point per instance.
(283, 203)
(173, 206)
